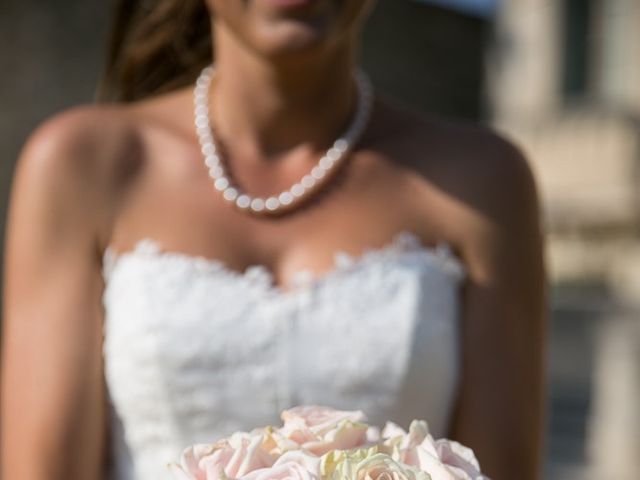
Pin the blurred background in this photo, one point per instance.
(559, 77)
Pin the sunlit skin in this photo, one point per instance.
(99, 175)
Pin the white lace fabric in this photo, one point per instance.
(195, 350)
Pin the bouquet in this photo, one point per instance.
(321, 443)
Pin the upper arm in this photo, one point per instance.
(52, 385)
(500, 412)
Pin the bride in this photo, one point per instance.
(225, 242)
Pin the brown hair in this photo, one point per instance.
(155, 46)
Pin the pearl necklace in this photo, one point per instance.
(309, 183)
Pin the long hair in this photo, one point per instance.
(155, 46)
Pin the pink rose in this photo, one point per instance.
(459, 459)
(294, 465)
(322, 429)
(189, 467)
(231, 458)
(442, 459)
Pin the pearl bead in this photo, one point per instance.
(272, 203)
(308, 181)
(326, 162)
(201, 121)
(286, 198)
(202, 132)
(216, 172)
(318, 173)
(257, 204)
(243, 201)
(230, 194)
(334, 154)
(208, 149)
(212, 161)
(221, 183)
(297, 190)
(341, 145)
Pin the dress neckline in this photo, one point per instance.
(403, 244)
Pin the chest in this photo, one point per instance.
(362, 208)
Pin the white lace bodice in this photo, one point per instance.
(194, 350)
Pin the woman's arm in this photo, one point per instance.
(500, 413)
(52, 404)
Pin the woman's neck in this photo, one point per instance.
(271, 107)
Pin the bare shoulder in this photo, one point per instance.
(80, 139)
(489, 172)
(101, 135)
(79, 158)
(470, 185)
(497, 217)
(484, 175)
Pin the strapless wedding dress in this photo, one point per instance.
(194, 350)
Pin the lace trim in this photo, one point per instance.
(403, 243)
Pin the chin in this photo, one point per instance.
(289, 28)
(292, 38)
